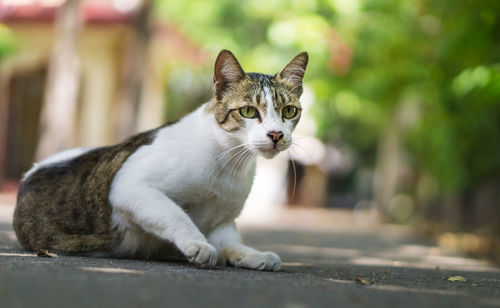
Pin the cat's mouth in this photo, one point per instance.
(271, 151)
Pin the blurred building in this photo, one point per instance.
(104, 45)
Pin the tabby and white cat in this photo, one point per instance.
(172, 191)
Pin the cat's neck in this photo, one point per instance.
(203, 136)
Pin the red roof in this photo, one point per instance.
(103, 11)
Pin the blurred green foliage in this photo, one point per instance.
(7, 42)
(369, 58)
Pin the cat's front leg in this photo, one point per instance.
(228, 243)
(157, 214)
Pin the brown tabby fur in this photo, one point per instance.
(64, 207)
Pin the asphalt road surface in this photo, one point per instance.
(330, 260)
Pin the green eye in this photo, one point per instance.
(249, 112)
(289, 112)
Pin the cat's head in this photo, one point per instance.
(255, 109)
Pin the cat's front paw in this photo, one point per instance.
(200, 253)
(256, 260)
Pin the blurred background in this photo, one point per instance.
(402, 98)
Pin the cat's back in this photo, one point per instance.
(63, 202)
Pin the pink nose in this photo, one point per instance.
(275, 136)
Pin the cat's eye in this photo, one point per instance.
(289, 112)
(249, 112)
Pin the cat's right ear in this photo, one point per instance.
(227, 71)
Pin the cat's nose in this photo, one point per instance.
(275, 136)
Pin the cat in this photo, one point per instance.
(172, 191)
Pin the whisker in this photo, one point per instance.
(301, 161)
(294, 178)
(229, 161)
(303, 148)
(233, 157)
(234, 163)
(243, 159)
(238, 163)
(220, 156)
(231, 149)
(233, 167)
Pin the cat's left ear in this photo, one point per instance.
(294, 71)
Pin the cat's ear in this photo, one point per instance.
(293, 73)
(227, 71)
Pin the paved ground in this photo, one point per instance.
(324, 253)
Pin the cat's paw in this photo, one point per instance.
(200, 253)
(261, 261)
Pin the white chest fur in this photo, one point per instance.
(192, 167)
